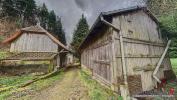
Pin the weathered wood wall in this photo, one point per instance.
(143, 46)
(98, 55)
(29, 42)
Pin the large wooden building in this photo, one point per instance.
(126, 47)
(33, 45)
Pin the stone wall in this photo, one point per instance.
(24, 69)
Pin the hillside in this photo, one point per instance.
(7, 28)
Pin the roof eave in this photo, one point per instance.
(111, 13)
(91, 29)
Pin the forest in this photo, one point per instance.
(25, 13)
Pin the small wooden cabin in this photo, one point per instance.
(34, 44)
(142, 46)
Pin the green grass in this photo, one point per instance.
(174, 64)
(3, 55)
(96, 91)
(1, 38)
(41, 84)
(9, 84)
(14, 81)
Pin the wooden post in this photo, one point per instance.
(51, 66)
(114, 64)
(160, 62)
(58, 60)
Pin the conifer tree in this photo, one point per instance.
(52, 22)
(60, 31)
(8, 8)
(43, 15)
(23, 10)
(29, 9)
(79, 34)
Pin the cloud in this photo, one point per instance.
(71, 10)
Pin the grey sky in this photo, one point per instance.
(71, 10)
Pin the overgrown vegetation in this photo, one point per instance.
(25, 13)
(9, 84)
(96, 91)
(166, 12)
(12, 82)
(174, 65)
(4, 54)
(46, 82)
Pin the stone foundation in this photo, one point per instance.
(24, 69)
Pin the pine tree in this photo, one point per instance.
(60, 31)
(52, 22)
(23, 10)
(29, 12)
(8, 8)
(43, 15)
(79, 34)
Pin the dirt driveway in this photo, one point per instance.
(69, 88)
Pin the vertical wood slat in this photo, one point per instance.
(97, 52)
(139, 27)
(143, 28)
(33, 42)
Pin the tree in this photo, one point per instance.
(43, 15)
(60, 31)
(52, 22)
(8, 8)
(161, 7)
(29, 8)
(23, 10)
(166, 12)
(79, 34)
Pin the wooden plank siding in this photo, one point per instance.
(29, 42)
(143, 47)
(97, 57)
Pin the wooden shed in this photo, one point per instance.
(125, 48)
(35, 44)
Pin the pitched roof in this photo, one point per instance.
(36, 28)
(33, 29)
(110, 14)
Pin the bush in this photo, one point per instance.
(168, 24)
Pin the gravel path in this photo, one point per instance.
(70, 88)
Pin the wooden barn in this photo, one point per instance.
(34, 45)
(125, 50)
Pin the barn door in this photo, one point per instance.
(102, 68)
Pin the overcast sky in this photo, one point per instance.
(71, 10)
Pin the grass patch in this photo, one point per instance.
(1, 38)
(44, 83)
(174, 64)
(96, 91)
(3, 55)
(14, 81)
(9, 84)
